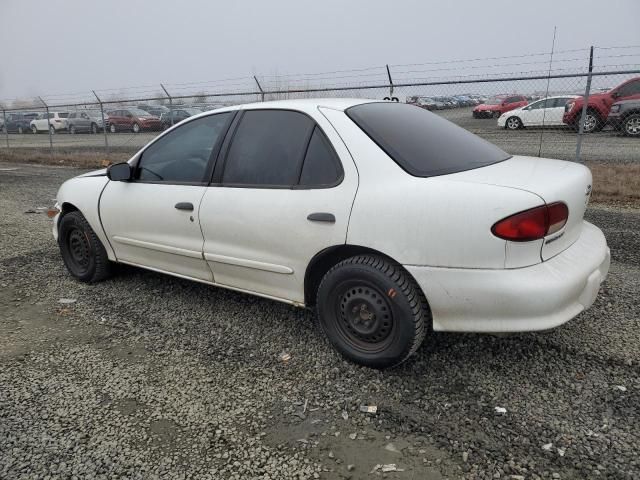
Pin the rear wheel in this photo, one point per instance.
(72, 129)
(112, 128)
(135, 128)
(82, 252)
(631, 125)
(94, 128)
(513, 123)
(372, 311)
(34, 130)
(20, 130)
(52, 130)
(496, 114)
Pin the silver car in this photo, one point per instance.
(85, 121)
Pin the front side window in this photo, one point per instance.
(422, 143)
(182, 156)
(537, 105)
(267, 148)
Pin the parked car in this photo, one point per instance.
(178, 115)
(388, 219)
(132, 119)
(85, 121)
(545, 112)
(496, 106)
(599, 105)
(19, 122)
(155, 110)
(52, 122)
(625, 116)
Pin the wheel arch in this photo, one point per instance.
(324, 260)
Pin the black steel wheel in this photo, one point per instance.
(372, 311)
(82, 252)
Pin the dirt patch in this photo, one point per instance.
(73, 157)
(618, 184)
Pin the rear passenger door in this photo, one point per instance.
(283, 190)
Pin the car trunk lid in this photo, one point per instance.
(551, 180)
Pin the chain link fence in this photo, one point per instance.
(536, 112)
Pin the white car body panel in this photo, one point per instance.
(145, 228)
(260, 241)
(538, 297)
(534, 117)
(83, 192)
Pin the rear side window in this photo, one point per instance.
(321, 164)
(267, 148)
(422, 143)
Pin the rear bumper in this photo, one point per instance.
(538, 297)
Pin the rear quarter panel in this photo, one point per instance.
(437, 221)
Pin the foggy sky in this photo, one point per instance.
(77, 45)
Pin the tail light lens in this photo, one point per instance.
(532, 224)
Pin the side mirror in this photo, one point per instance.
(119, 172)
(616, 95)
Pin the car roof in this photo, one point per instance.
(302, 104)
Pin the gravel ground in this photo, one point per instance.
(148, 376)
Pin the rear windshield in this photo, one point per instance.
(422, 143)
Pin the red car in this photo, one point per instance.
(133, 120)
(599, 105)
(496, 106)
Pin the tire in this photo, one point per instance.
(72, 129)
(52, 130)
(135, 128)
(631, 125)
(34, 130)
(94, 128)
(82, 252)
(21, 131)
(112, 128)
(513, 123)
(372, 311)
(592, 122)
(496, 114)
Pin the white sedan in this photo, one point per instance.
(545, 112)
(389, 220)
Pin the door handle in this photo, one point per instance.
(185, 206)
(321, 217)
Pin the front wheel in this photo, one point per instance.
(513, 123)
(112, 128)
(592, 122)
(82, 251)
(136, 128)
(20, 130)
(34, 130)
(94, 128)
(372, 311)
(631, 125)
(72, 129)
(52, 130)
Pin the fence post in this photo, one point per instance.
(49, 128)
(104, 124)
(584, 108)
(170, 104)
(6, 131)
(390, 83)
(259, 88)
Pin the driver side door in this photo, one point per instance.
(152, 220)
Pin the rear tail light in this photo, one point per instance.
(532, 224)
